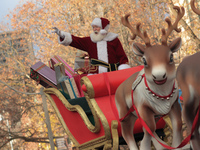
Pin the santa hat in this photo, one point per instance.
(103, 23)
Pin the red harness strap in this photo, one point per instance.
(165, 97)
(145, 81)
(133, 108)
(183, 143)
(130, 111)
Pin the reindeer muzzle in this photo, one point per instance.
(160, 82)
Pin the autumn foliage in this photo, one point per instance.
(24, 112)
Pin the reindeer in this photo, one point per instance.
(188, 77)
(155, 90)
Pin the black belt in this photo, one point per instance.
(111, 67)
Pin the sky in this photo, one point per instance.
(6, 6)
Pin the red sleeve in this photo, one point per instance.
(80, 43)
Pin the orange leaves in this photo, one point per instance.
(75, 16)
(72, 16)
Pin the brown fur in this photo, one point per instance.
(188, 76)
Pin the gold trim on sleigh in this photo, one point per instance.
(106, 140)
(89, 95)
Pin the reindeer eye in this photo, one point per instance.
(144, 61)
(171, 60)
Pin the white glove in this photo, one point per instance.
(58, 32)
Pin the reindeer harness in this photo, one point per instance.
(135, 84)
(133, 108)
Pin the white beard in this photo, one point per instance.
(97, 37)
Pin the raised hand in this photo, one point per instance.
(57, 31)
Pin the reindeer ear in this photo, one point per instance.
(175, 45)
(138, 49)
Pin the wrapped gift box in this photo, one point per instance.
(60, 72)
(66, 85)
(50, 64)
(82, 65)
(43, 75)
(57, 59)
(68, 88)
(72, 88)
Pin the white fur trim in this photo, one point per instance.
(123, 66)
(96, 22)
(110, 36)
(102, 54)
(103, 31)
(67, 40)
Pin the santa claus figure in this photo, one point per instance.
(104, 48)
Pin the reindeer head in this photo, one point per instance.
(158, 59)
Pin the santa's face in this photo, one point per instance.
(96, 29)
(96, 35)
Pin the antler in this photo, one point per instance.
(180, 14)
(136, 32)
(194, 8)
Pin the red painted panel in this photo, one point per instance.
(75, 123)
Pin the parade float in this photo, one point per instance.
(85, 105)
(92, 108)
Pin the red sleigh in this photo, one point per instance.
(91, 122)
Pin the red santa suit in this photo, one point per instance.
(108, 50)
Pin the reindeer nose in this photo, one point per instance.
(164, 76)
(159, 72)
